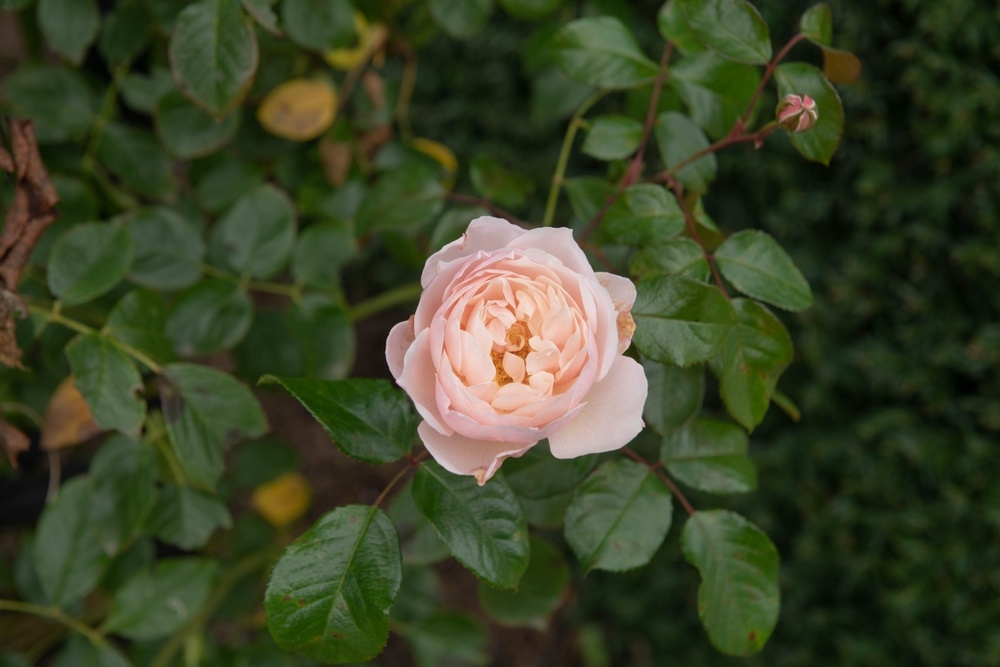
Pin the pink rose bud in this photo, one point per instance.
(517, 339)
(797, 113)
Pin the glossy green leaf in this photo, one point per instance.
(817, 24)
(460, 18)
(168, 250)
(644, 213)
(205, 411)
(618, 517)
(674, 28)
(137, 159)
(109, 382)
(325, 334)
(483, 526)
(81, 652)
(138, 320)
(318, 24)
(57, 99)
(262, 12)
(123, 479)
(530, 10)
(228, 178)
(820, 143)
(739, 599)
(754, 262)
(732, 28)
(497, 183)
(710, 455)
(69, 26)
(754, 354)
(126, 33)
(321, 252)
(716, 91)
(157, 604)
(676, 256)
(87, 261)
(588, 196)
(612, 137)
(404, 198)
(257, 234)
(68, 558)
(602, 52)
(188, 131)
(679, 321)
(538, 475)
(368, 419)
(543, 587)
(213, 54)
(448, 638)
(680, 139)
(675, 395)
(418, 539)
(187, 517)
(330, 592)
(211, 315)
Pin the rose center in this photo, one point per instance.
(516, 346)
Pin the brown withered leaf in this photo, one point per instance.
(13, 441)
(336, 158)
(68, 420)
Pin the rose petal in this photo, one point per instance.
(396, 344)
(418, 379)
(484, 233)
(465, 456)
(621, 290)
(611, 417)
(556, 241)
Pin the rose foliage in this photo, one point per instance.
(251, 192)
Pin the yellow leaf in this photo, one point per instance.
(282, 500)
(370, 38)
(841, 66)
(68, 420)
(299, 110)
(440, 154)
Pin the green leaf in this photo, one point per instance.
(460, 18)
(87, 261)
(754, 262)
(225, 181)
(57, 99)
(319, 25)
(817, 25)
(674, 28)
(205, 411)
(733, 28)
(109, 382)
(677, 256)
(168, 250)
(588, 195)
(187, 517)
(8, 659)
(152, 605)
(645, 213)
(330, 592)
(418, 539)
(213, 54)
(67, 557)
(211, 315)
(612, 137)
(711, 456)
(530, 10)
(263, 13)
(483, 526)
(404, 198)
(820, 143)
(679, 321)
(138, 320)
(257, 234)
(188, 131)
(367, 419)
(321, 252)
(69, 26)
(326, 335)
(269, 347)
(757, 349)
(448, 638)
(538, 475)
(126, 34)
(136, 157)
(123, 479)
(738, 599)
(542, 589)
(675, 395)
(497, 183)
(618, 517)
(81, 652)
(142, 92)
(262, 461)
(716, 91)
(602, 52)
(679, 139)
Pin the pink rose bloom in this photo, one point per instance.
(516, 339)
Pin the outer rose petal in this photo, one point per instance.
(611, 417)
(396, 344)
(465, 456)
(484, 233)
(418, 379)
(622, 292)
(558, 242)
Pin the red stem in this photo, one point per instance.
(655, 468)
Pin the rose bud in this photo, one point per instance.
(797, 113)
(516, 339)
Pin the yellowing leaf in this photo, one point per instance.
(68, 420)
(299, 110)
(282, 500)
(440, 154)
(841, 66)
(370, 38)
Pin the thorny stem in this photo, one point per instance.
(55, 614)
(655, 468)
(729, 140)
(768, 71)
(459, 198)
(692, 227)
(414, 463)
